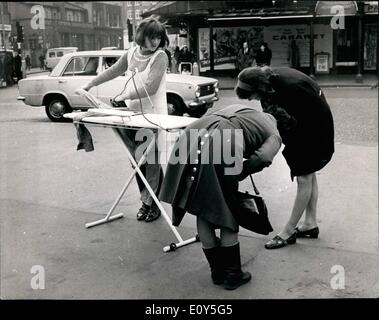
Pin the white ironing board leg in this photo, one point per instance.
(109, 217)
(181, 242)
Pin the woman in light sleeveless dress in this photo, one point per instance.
(147, 63)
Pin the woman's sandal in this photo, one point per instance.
(278, 242)
(311, 233)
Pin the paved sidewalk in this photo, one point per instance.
(124, 259)
(35, 70)
(335, 81)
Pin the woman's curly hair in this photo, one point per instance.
(286, 123)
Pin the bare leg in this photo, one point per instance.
(228, 237)
(303, 196)
(206, 233)
(311, 210)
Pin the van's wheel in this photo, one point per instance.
(175, 106)
(56, 108)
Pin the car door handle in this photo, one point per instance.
(62, 81)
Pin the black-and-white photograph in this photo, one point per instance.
(189, 150)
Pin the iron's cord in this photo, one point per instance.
(140, 100)
(122, 91)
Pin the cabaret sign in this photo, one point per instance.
(297, 37)
(280, 38)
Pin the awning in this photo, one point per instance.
(371, 7)
(329, 8)
(224, 10)
(159, 8)
(261, 14)
(227, 10)
(184, 8)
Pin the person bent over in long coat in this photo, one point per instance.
(202, 178)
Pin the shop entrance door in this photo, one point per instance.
(346, 49)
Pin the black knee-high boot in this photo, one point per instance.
(216, 264)
(234, 276)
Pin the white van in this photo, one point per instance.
(53, 55)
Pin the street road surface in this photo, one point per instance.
(48, 191)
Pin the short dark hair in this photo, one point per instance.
(150, 28)
(257, 78)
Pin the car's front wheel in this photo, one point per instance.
(56, 107)
(175, 106)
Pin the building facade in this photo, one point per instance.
(330, 36)
(131, 16)
(5, 27)
(85, 25)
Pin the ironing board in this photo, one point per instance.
(114, 118)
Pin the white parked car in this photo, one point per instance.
(56, 91)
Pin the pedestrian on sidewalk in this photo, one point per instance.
(293, 55)
(8, 67)
(151, 61)
(263, 55)
(185, 60)
(202, 184)
(17, 66)
(42, 61)
(245, 58)
(169, 57)
(1, 71)
(176, 59)
(28, 62)
(308, 148)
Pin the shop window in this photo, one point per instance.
(370, 46)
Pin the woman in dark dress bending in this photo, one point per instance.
(308, 148)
